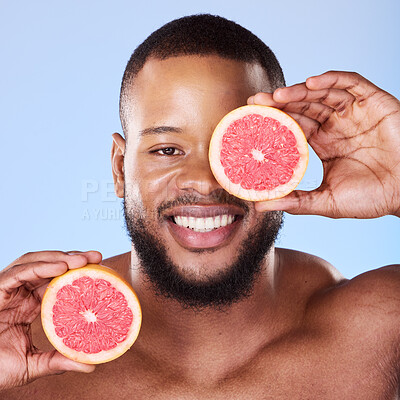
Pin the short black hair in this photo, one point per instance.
(201, 34)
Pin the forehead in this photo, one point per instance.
(181, 85)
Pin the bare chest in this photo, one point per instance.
(297, 369)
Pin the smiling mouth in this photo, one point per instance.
(204, 226)
(207, 224)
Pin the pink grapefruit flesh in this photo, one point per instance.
(91, 314)
(258, 153)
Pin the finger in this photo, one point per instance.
(31, 275)
(308, 125)
(299, 202)
(337, 99)
(352, 82)
(264, 99)
(316, 111)
(73, 259)
(40, 291)
(51, 363)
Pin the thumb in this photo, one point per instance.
(52, 363)
(298, 202)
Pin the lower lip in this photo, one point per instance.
(188, 238)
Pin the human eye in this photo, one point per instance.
(168, 151)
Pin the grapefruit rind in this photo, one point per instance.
(94, 271)
(251, 194)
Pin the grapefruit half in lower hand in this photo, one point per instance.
(258, 153)
(91, 314)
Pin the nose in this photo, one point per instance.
(196, 175)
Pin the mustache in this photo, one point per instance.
(218, 196)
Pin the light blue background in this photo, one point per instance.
(60, 71)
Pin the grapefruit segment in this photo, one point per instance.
(91, 314)
(258, 153)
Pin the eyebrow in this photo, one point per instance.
(157, 130)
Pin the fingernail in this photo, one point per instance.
(250, 100)
(74, 253)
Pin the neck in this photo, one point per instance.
(191, 338)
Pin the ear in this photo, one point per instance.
(117, 162)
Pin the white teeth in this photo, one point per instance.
(209, 223)
(178, 220)
(200, 224)
(224, 220)
(185, 221)
(204, 224)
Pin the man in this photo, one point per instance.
(225, 314)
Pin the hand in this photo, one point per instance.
(354, 128)
(22, 285)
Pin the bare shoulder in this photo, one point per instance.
(367, 305)
(119, 263)
(370, 301)
(309, 273)
(376, 292)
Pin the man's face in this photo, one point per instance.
(176, 212)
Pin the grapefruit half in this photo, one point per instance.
(258, 153)
(91, 314)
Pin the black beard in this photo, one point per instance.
(230, 286)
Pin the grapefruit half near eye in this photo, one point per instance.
(91, 314)
(258, 153)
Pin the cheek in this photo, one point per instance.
(149, 184)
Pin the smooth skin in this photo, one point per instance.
(305, 332)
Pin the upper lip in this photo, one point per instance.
(204, 211)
